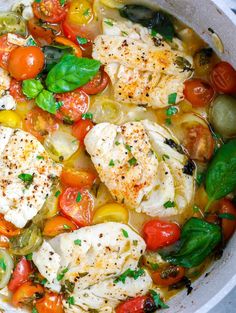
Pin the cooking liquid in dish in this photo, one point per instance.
(77, 198)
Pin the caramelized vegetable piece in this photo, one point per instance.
(203, 62)
(227, 213)
(7, 228)
(140, 304)
(20, 274)
(168, 276)
(26, 293)
(50, 303)
(43, 35)
(57, 225)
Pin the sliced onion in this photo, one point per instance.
(6, 269)
(60, 145)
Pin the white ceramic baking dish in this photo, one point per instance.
(201, 15)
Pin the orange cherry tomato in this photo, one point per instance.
(49, 10)
(199, 142)
(139, 304)
(97, 84)
(198, 92)
(40, 123)
(16, 91)
(57, 225)
(158, 234)
(74, 104)
(223, 77)
(50, 303)
(77, 204)
(20, 274)
(5, 50)
(81, 128)
(43, 36)
(67, 42)
(228, 214)
(26, 293)
(77, 178)
(25, 62)
(7, 228)
(168, 276)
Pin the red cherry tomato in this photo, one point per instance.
(40, 123)
(158, 234)
(50, 303)
(140, 304)
(168, 276)
(81, 128)
(77, 204)
(43, 36)
(74, 104)
(77, 178)
(16, 91)
(97, 84)
(49, 10)
(5, 50)
(20, 275)
(26, 293)
(25, 62)
(223, 77)
(199, 142)
(228, 222)
(198, 92)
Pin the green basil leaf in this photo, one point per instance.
(31, 88)
(45, 100)
(198, 239)
(70, 73)
(221, 174)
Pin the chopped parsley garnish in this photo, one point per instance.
(43, 281)
(135, 242)
(29, 256)
(128, 147)
(3, 264)
(79, 197)
(172, 98)
(117, 143)
(26, 178)
(34, 310)
(111, 163)
(157, 300)
(125, 233)
(153, 33)
(59, 104)
(37, 1)
(86, 12)
(71, 301)
(132, 161)
(62, 274)
(168, 121)
(108, 22)
(65, 226)
(171, 111)
(135, 274)
(81, 40)
(165, 156)
(228, 216)
(57, 193)
(154, 266)
(31, 42)
(196, 209)
(169, 204)
(77, 242)
(87, 116)
(39, 157)
(62, 2)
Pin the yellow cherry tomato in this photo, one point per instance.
(111, 212)
(10, 119)
(80, 12)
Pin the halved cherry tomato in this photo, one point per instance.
(26, 293)
(39, 123)
(78, 205)
(49, 10)
(223, 77)
(43, 36)
(25, 62)
(50, 303)
(158, 234)
(97, 84)
(16, 91)
(67, 42)
(74, 105)
(81, 128)
(228, 225)
(140, 304)
(7, 228)
(198, 92)
(20, 274)
(199, 142)
(5, 50)
(168, 276)
(80, 12)
(57, 225)
(77, 178)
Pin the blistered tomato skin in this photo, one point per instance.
(223, 77)
(158, 234)
(168, 276)
(198, 92)
(142, 304)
